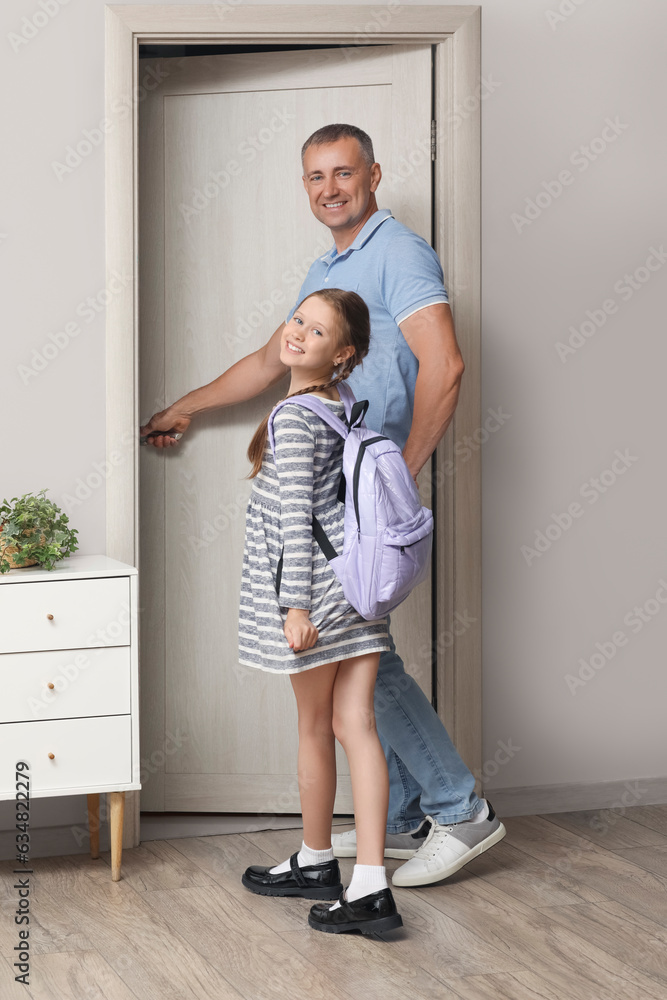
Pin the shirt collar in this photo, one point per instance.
(371, 224)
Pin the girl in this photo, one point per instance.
(308, 630)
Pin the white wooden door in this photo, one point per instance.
(227, 237)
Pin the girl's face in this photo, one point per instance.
(309, 341)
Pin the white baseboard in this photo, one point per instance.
(535, 800)
(53, 841)
(531, 800)
(59, 841)
(170, 826)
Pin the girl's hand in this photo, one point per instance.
(299, 630)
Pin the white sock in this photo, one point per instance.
(306, 856)
(482, 814)
(365, 880)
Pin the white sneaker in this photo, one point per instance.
(396, 845)
(449, 848)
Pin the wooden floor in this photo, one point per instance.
(568, 907)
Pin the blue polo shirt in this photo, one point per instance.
(397, 273)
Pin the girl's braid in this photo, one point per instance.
(348, 367)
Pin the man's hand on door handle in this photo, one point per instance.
(245, 379)
(169, 422)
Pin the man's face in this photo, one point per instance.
(339, 182)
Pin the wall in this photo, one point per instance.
(581, 706)
(555, 73)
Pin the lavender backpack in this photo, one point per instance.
(388, 535)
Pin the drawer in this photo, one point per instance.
(83, 682)
(65, 614)
(85, 752)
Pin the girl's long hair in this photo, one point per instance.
(353, 329)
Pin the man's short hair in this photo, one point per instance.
(332, 133)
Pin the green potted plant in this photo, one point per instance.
(33, 530)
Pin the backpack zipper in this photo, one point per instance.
(357, 473)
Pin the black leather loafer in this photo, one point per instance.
(312, 882)
(372, 914)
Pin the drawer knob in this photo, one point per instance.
(50, 685)
(51, 756)
(50, 617)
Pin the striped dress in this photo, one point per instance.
(286, 493)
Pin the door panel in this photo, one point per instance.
(227, 238)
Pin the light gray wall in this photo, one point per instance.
(552, 82)
(560, 82)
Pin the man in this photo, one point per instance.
(411, 377)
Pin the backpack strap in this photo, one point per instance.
(310, 403)
(355, 412)
(322, 540)
(347, 396)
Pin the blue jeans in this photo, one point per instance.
(426, 775)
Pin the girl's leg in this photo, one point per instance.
(317, 758)
(354, 727)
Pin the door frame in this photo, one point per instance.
(455, 31)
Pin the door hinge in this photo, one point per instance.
(434, 140)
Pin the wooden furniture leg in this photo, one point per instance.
(94, 823)
(116, 811)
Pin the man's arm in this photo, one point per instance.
(245, 379)
(430, 336)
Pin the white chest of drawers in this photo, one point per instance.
(69, 686)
